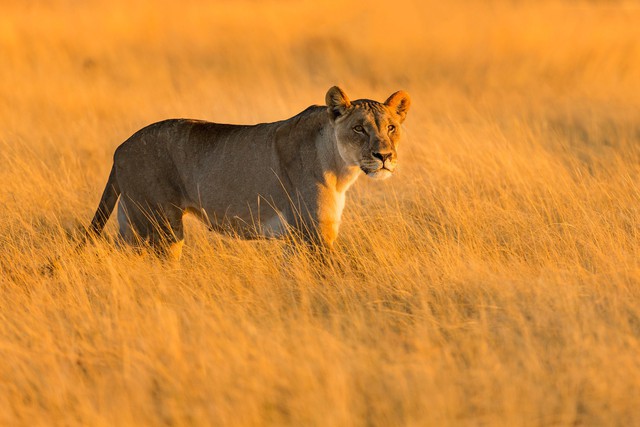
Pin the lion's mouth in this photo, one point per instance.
(370, 171)
(378, 174)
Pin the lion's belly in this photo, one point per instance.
(250, 223)
(274, 227)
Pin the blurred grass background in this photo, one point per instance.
(494, 280)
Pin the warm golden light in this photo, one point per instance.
(493, 280)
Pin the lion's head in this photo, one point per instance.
(367, 132)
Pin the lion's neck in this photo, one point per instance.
(338, 175)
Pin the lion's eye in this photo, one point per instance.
(358, 129)
(391, 128)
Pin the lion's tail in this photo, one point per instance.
(106, 205)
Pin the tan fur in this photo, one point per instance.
(263, 180)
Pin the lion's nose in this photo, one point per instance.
(383, 156)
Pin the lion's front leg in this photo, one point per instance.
(327, 234)
(319, 241)
(319, 226)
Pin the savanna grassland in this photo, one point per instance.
(494, 280)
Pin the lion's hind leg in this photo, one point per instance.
(159, 228)
(167, 236)
(126, 231)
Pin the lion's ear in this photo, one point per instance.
(337, 102)
(399, 103)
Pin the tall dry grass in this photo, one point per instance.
(495, 280)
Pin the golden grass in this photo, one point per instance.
(495, 280)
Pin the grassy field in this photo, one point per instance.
(495, 280)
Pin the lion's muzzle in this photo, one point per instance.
(380, 166)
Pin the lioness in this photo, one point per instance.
(262, 180)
